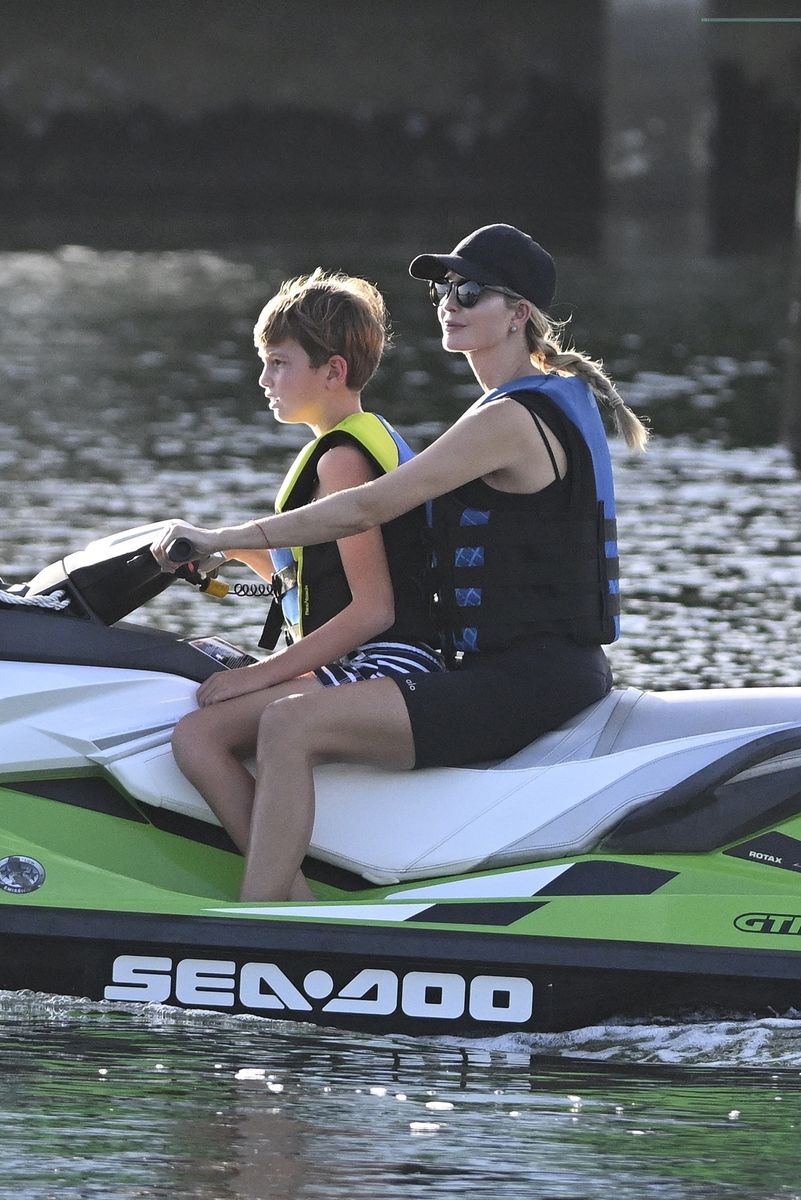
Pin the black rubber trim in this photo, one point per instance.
(691, 818)
(92, 792)
(47, 636)
(191, 828)
(336, 877)
(400, 942)
(97, 794)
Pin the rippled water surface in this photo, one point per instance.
(101, 1102)
(128, 393)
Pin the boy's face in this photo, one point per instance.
(294, 388)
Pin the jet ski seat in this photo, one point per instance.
(629, 717)
(555, 798)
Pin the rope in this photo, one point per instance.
(56, 600)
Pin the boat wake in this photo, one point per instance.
(698, 1040)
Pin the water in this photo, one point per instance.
(128, 394)
(115, 1102)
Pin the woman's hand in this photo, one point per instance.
(204, 543)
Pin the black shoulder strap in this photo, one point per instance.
(547, 444)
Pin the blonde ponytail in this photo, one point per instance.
(544, 338)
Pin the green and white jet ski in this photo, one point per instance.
(644, 858)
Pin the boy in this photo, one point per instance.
(354, 610)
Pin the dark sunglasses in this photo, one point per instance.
(467, 291)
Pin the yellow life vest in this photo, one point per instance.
(301, 570)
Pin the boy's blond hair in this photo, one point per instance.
(329, 313)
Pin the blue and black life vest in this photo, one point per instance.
(510, 565)
(310, 581)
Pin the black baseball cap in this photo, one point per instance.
(500, 256)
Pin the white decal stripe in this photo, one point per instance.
(509, 883)
(327, 912)
(503, 886)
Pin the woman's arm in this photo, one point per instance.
(495, 437)
(370, 611)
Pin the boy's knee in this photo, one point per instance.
(283, 722)
(195, 735)
(184, 736)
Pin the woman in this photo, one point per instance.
(525, 562)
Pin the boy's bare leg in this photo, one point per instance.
(357, 722)
(210, 742)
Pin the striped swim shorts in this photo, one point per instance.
(376, 660)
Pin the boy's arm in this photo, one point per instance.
(259, 561)
(370, 612)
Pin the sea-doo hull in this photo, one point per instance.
(642, 859)
(376, 980)
(400, 976)
(96, 911)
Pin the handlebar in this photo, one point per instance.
(181, 551)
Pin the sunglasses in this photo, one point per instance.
(467, 291)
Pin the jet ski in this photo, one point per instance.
(644, 858)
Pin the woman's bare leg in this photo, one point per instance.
(357, 722)
(210, 742)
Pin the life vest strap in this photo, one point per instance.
(281, 582)
(284, 580)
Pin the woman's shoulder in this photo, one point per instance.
(554, 386)
(555, 400)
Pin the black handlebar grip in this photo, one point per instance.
(181, 551)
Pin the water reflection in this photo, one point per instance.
(162, 1103)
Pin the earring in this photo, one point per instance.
(513, 329)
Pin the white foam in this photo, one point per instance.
(701, 1042)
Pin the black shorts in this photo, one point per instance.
(492, 705)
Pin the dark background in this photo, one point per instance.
(147, 121)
